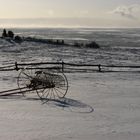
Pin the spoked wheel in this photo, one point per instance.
(48, 85)
(54, 85)
(24, 80)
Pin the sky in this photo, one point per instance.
(70, 13)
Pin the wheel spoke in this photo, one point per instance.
(59, 91)
(61, 88)
(48, 93)
(27, 75)
(53, 93)
(56, 92)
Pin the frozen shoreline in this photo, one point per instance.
(100, 106)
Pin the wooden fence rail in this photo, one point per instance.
(65, 67)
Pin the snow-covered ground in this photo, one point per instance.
(98, 106)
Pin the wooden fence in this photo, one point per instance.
(72, 67)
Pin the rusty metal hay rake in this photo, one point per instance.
(47, 82)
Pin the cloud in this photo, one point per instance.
(127, 11)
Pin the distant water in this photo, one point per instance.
(118, 46)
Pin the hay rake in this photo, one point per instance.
(48, 82)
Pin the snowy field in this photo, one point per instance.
(98, 106)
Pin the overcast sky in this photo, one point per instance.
(87, 13)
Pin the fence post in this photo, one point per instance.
(62, 66)
(99, 66)
(16, 66)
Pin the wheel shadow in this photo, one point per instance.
(66, 104)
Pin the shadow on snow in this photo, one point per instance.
(65, 104)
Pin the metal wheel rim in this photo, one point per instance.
(55, 92)
(23, 79)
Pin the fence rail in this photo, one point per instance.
(71, 67)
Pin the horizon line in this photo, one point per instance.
(65, 27)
